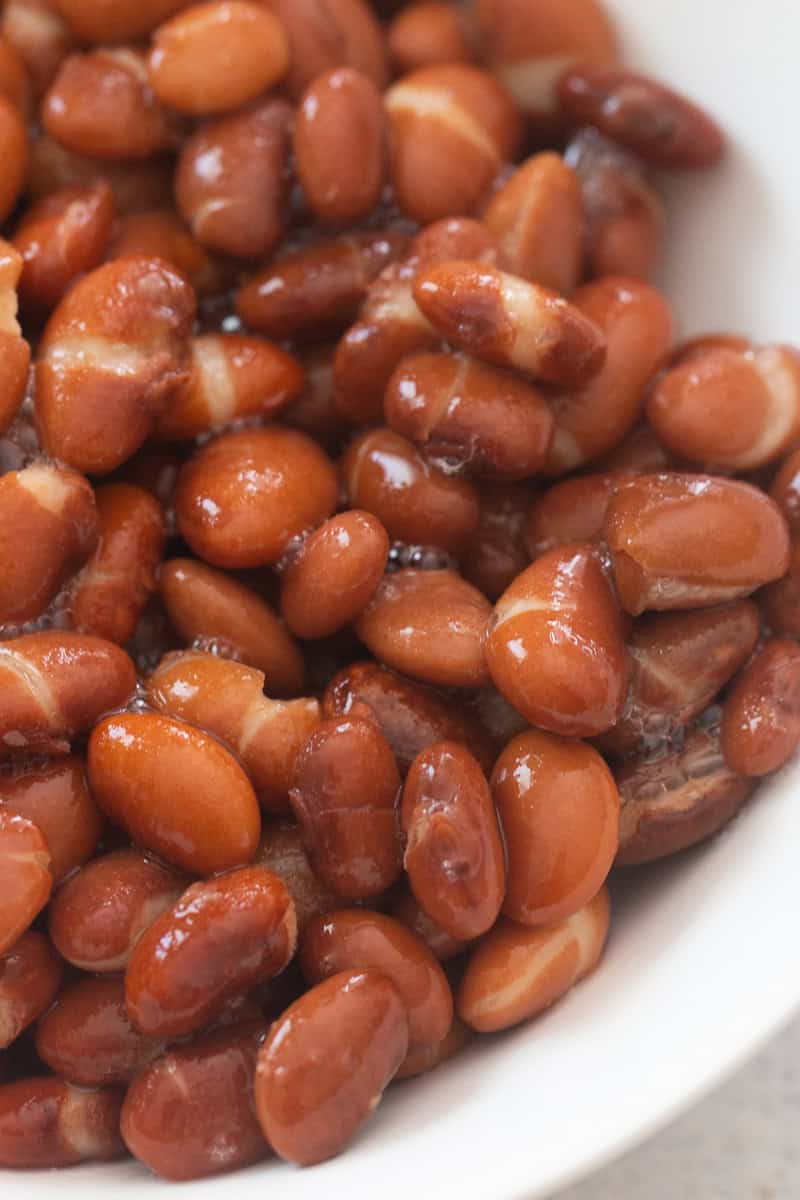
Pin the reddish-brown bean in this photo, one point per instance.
(559, 811)
(112, 356)
(55, 796)
(452, 126)
(30, 977)
(334, 574)
(99, 914)
(238, 207)
(655, 122)
(212, 822)
(780, 601)
(60, 237)
(511, 322)
(637, 327)
(760, 727)
(429, 625)
(517, 972)
(227, 699)
(48, 529)
(46, 1122)
(324, 34)
(100, 104)
(497, 554)
(291, 487)
(135, 185)
(408, 715)
(484, 419)
(14, 151)
(640, 453)
(105, 21)
(442, 945)
(357, 940)
(556, 648)
(422, 1059)
(314, 411)
(55, 686)
(160, 233)
(340, 145)
(191, 1113)
(689, 541)
(282, 852)
(573, 510)
(15, 352)
(385, 474)
(217, 56)
(38, 34)
(217, 942)
(785, 491)
(354, 1027)
(423, 35)
(208, 606)
(345, 793)
(25, 877)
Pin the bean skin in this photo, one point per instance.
(46, 1122)
(761, 715)
(30, 978)
(25, 877)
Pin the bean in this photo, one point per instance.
(559, 811)
(227, 700)
(282, 852)
(217, 56)
(518, 972)
(511, 322)
(555, 647)
(211, 606)
(497, 554)
(451, 128)
(573, 510)
(61, 237)
(314, 412)
(761, 715)
(14, 147)
(640, 453)
(14, 79)
(728, 409)
(785, 491)
(49, 529)
(344, 796)
(385, 474)
(121, 21)
(429, 625)
(454, 858)
(422, 1059)
(406, 909)
(231, 377)
(55, 796)
(135, 185)
(160, 233)
(354, 1028)
(99, 914)
(217, 942)
(486, 420)
(409, 716)
(112, 356)
(292, 487)
(212, 822)
(30, 977)
(324, 34)
(55, 686)
(340, 145)
(426, 34)
(46, 1122)
(673, 802)
(191, 1113)
(352, 939)
(24, 874)
(16, 353)
(780, 601)
(537, 218)
(41, 37)
(648, 118)
(239, 207)
(689, 541)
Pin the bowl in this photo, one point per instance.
(702, 965)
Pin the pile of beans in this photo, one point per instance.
(376, 572)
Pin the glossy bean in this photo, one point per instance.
(442, 945)
(121, 21)
(324, 34)
(760, 727)
(420, 1060)
(572, 510)
(40, 36)
(55, 796)
(24, 875)
(16, 352)
(282, 852)
(47, 1122)
(14, 148)
(497, 554)
(30, 977)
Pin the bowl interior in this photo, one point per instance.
(702, 964)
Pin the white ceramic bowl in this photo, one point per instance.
(703, 965)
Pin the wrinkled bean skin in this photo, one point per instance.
(30, 978)
(46, 1122)
(220, 939)
(409, 716)
(191, 1113)
(355, 940)
(422, 1059)
(55, 796)
(497, 553)
(87, 1036)
(760, 727)
(517, 972)
(429, 625)
(211, 606)
(355, 1028)
(690, 541)
(282, 852)
(454, 857)
(344, 797)
(293, 487)
(679, 662)
(99, 914)
(227, 700)
(669, 804)
(559, 811)
(555, 647)
(213, 821)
